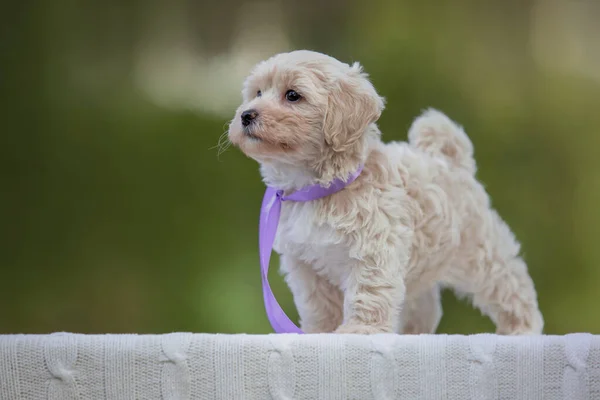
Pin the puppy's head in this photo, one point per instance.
(305, 109)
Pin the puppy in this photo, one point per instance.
(372, 257)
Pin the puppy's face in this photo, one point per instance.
(299, 106)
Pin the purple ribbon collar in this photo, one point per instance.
(269, 220)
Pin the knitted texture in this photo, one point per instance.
(182, 366)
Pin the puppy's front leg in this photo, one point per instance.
(373, 299)
(318, 302)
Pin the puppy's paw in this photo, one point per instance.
(518, 331)
(530, 323)
(358, 329)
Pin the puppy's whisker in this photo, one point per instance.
(219, 142)
(222, 144)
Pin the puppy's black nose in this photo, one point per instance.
(248, 116)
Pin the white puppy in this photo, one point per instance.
(372, 257)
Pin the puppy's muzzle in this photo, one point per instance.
(248, 116)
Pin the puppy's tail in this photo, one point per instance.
(433, 132)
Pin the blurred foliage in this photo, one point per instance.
(118, 216)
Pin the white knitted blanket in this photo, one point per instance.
(202, 366)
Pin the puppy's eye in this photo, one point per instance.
(258, 94)
(291, 95)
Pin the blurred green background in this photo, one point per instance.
(117, 215)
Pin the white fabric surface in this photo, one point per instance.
(202, 366)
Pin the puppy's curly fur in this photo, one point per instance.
(372, 257)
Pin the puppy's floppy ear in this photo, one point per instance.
(352, 105)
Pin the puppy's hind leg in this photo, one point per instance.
(512, 300)
(500, 285)
(505, 293)
(422, 313)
